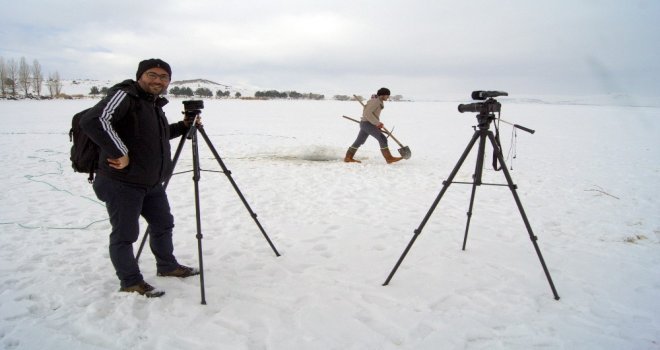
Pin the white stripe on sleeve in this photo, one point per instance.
(106, 117)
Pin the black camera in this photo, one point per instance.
(490, 106)
(487, 107)
(192, 109)
(193, 106)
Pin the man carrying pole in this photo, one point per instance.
(370, 124)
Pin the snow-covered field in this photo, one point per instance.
(588, 179)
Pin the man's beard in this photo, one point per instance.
(156, 89)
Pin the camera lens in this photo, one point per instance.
(470, 107)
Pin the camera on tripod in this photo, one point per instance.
(192, 107)
(487, 107)
(481, 135)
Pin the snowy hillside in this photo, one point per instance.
(84, 86)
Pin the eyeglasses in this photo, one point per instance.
(153, 76)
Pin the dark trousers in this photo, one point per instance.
(367, 129)
(125, 204)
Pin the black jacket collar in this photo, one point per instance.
(131, 87)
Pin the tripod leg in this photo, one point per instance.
(196, 178)
(513, 187)
(469, 214)
(174, 161)
(227, 173)
(445, 186)
(478, 171)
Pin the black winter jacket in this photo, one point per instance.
(129, 121)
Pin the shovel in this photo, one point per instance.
(404, 151)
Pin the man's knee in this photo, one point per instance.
(162, 226)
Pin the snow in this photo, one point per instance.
(588, 180)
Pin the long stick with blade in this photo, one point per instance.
(404, 151)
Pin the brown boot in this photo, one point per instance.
(180, 271)
(388, 156)
(143, 288)
(349, 156)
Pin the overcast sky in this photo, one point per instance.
(418, 49)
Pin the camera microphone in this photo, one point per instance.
(482, 95)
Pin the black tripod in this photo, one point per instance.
(192, 135)
(481, 134)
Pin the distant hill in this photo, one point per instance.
(84, 86)
(195, 84)
(199, 82)
(80, 86)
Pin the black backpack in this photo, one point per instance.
(84, 152)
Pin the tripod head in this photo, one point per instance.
(192, 109)
(484, 120)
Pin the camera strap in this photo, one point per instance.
(498, 144)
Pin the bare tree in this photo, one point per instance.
(37, 77)
(3, 76)
(12, 75)
(54, 84)
(24, 76)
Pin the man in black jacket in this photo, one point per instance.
(133, 135)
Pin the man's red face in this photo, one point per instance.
(154, 81)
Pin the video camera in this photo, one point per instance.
(193, 107)
(487, 107)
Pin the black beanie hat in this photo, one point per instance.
(152, 63)
(383, 92)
